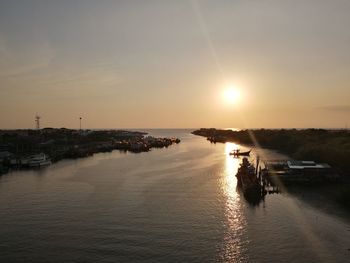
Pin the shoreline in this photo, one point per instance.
(318, 144)
(26, 149)
(328, 146)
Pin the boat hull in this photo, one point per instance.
(39, 164)
(240, 153)
(248, 183)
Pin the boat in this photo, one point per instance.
(39, 160)
(248, 181)
(238, 152)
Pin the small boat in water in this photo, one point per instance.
(238, 152)
(39, 160)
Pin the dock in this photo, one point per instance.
(273, 176)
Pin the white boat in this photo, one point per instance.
(39, 160)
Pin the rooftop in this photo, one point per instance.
(307, 165)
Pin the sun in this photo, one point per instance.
(231, 95)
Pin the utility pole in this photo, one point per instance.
(37, 122)
(80, 123)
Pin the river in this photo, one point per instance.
(177, 204)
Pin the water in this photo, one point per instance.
(169, 205)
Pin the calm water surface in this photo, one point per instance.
(169, 205)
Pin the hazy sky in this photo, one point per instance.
(131, 64)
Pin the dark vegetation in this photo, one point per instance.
(320, 145)
(63, 143)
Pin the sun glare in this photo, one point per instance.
(231, 95)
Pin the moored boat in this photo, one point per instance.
(248, 181)
(238, 152)
(39, 160)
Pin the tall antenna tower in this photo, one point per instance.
(37, 122)
(80, 123)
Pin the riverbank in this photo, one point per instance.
(17, 147)
(330, 146)
(325, 146)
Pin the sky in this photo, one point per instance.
(166, 64)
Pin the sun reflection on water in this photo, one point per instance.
(234, 211)
(231, 166)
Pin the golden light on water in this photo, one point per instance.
(236, 221)
(231, 166)
(230, 146)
